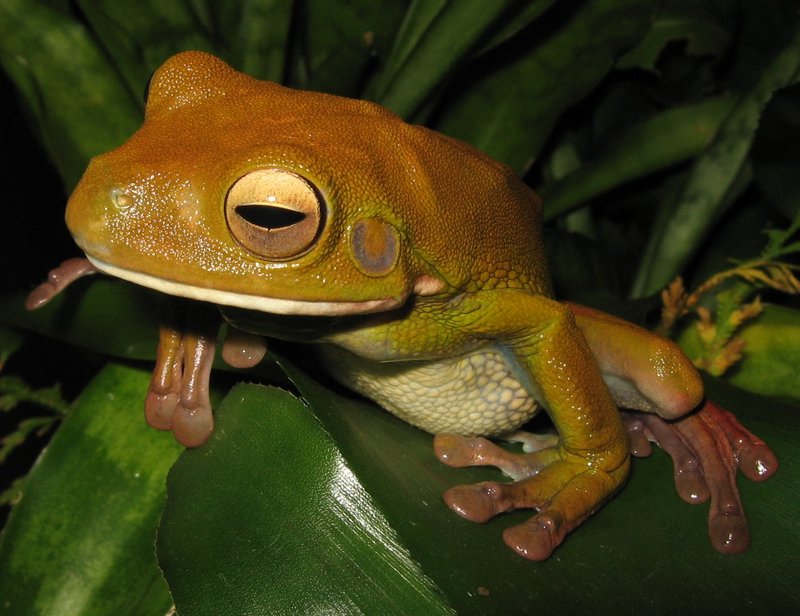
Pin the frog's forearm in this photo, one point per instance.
(591, 461)
(178, 398)
(58, 279)
(560, 371)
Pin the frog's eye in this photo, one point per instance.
(274, 213)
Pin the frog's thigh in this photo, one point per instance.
(643, 370)
(476, 393)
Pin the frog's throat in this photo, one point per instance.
(273, 305)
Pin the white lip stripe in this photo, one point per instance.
(241, 300)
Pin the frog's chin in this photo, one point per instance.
(273, 305)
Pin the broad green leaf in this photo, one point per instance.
(771, 361)
(345, 41)
(10, 341)
(99, 313)
(253, 35)
(700, 23)
(685, 222)
(81, 105)
(139, 36)
(301, 500)
(80, 540)
(265, 494)
(668, 138)
(510, 112)
(434, 38)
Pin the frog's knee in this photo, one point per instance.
(662, 381)
(675, 385)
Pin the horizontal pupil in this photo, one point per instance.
(269, 217)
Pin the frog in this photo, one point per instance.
(412, 265)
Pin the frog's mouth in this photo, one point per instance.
(272, 305)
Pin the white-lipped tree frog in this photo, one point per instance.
(424, 256)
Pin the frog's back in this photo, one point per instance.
(466, 215)
(481, 223)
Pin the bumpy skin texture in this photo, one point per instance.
(422, 255)
(157, 201)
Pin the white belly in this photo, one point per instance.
(476, 394)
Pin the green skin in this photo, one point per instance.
(422, 256)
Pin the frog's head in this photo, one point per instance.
(244, 193)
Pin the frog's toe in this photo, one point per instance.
(531, 441)
(690, 481)
(567, 495)
(691, 485)
(482, 501)
(637, 436)
(707, 447)
(535, 539)
(58, 279)
(243, 349)
(159, 409)
(757, 461)
(193, 425)
(478, 502)
(752, 456)
(460, 451)
(728, 531)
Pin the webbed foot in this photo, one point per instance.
(707, 447)
(564, 487)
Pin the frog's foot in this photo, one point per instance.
(178, 398)
(58, 279)
(565, 488)
(706, 448)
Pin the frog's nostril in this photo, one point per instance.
(269, 216)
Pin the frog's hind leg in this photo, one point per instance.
(706, 443)
(643, 370)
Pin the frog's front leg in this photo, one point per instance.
(590, 462)
(178, 397)
(58, 279)
(648, 372)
